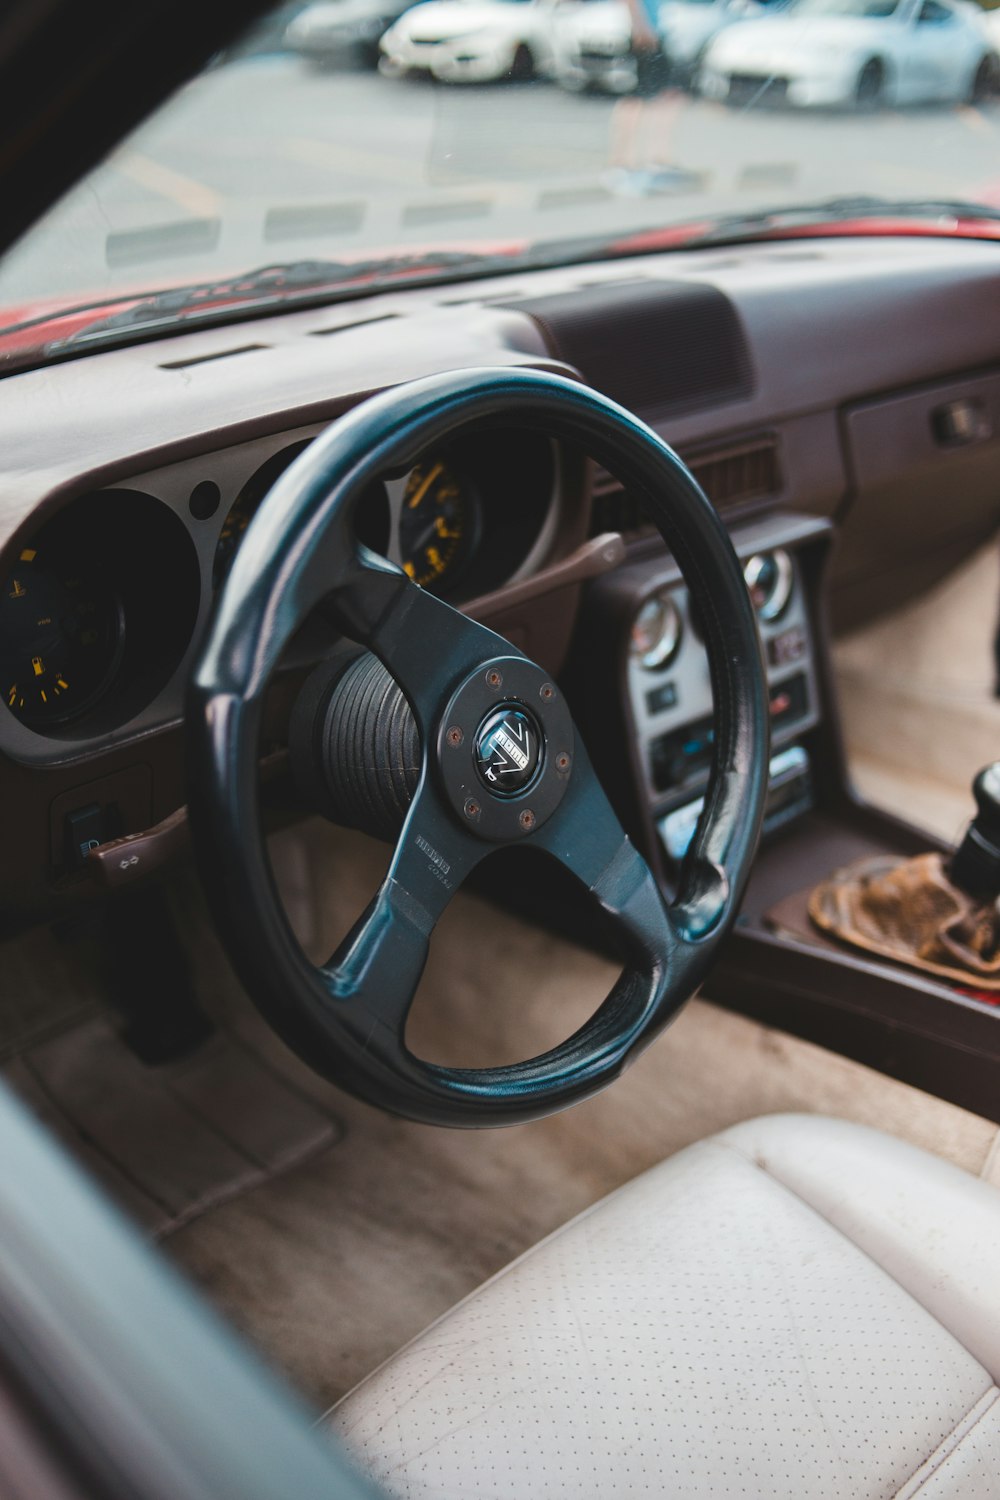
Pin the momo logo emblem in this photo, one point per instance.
(508, 750)
(502, 741)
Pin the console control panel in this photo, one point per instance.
(670, 693)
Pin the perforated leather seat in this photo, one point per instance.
(796, 1307)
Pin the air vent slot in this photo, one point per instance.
(738, 475)
(657, 347)
(324, 333)
(205, 359)
(735, 476)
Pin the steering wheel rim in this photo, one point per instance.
(347, 1018)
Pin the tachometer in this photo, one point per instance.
(438, 524)
(61, 629)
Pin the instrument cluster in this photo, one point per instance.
(102, 603)
(462, 522)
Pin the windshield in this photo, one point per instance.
(342, 147)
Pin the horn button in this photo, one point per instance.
(505, 749)
(508, 750)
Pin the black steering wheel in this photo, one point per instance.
(481, 707)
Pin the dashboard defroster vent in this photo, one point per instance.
(741, 474)
(205, 359)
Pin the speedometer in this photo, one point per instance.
(61, 629)
(439, 524)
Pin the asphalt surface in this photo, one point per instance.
(267, 159)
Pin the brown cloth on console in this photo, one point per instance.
(912, 913)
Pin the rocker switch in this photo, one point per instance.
(86, 828)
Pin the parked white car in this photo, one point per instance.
(591, 46)
(687, 26)
(592, 39)
(991, 21)
(343, 33)
(471, 41)
(856, 52)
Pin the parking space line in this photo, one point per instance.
(290, 222)
(446, 210)
(194, 197)
(133, 247)
(578, 194)
(768, 175)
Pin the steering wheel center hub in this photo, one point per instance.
(509, 750)
(505, 749)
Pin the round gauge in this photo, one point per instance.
(438, 524)
(62, 634)
(770, 578)
(233, 531)
(372, 521)
(245, 506)
(656, 632)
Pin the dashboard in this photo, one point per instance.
(809, 387)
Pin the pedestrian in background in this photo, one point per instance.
(643, 124)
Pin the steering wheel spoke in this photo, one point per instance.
(586, 836)
(374, 973)
(426, 643)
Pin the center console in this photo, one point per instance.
(642, 696)
(644, 651)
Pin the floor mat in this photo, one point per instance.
(169, 1142)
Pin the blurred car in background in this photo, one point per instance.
(471, 41)
(592, 39)
(687, 26)
(343, 33)
(592, 46)
(861, 53)
(991, 21)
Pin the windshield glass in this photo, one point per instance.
(346, 144)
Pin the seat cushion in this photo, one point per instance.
(795, 1307)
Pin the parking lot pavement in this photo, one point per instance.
(266, 159)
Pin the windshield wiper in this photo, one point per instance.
(262, 289)
(863, 206)
(265, 289)
(761, 223)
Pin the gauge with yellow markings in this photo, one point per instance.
(61, 638)
(439, 522)
(245, 506)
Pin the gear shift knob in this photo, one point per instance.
(975, 867)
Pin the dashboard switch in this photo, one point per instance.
(661, 698)
(961, 421)
(791, 645)
(86, 828)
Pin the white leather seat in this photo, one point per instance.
(796, 1307)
